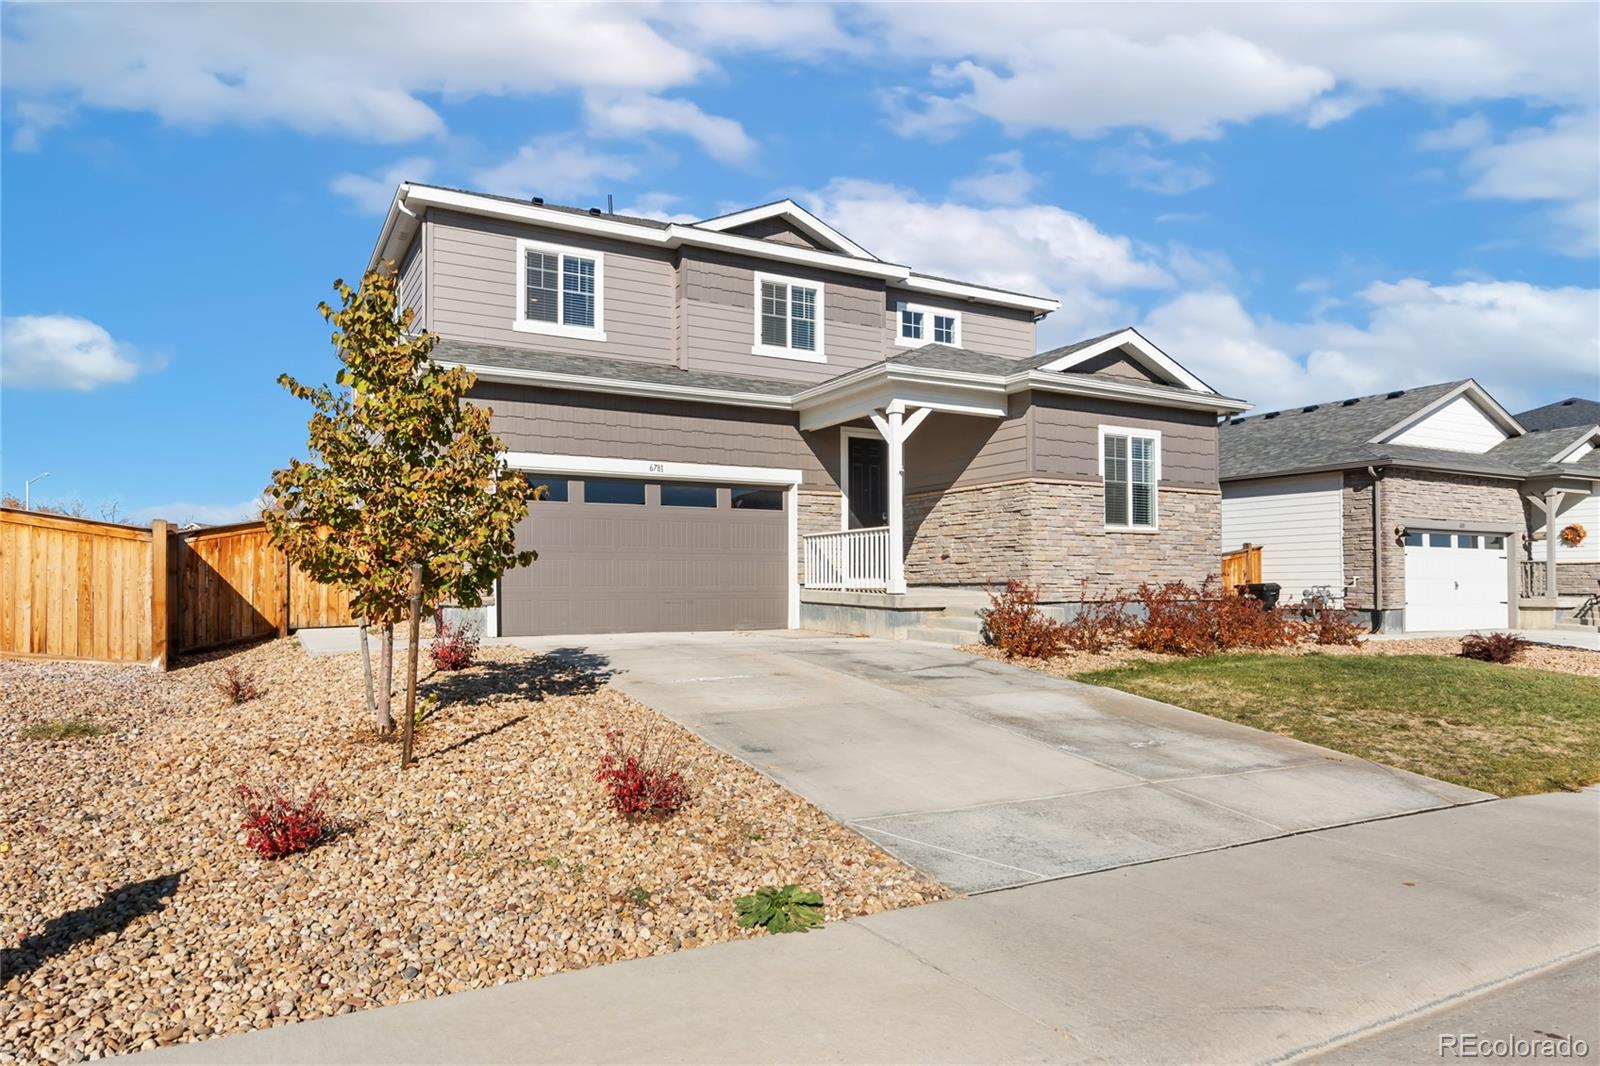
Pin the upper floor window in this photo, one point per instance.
(1130, 465)
(788, 318)
(916, 325)
(560, 291)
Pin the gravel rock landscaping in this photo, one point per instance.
(133, 916)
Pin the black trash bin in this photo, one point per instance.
(1265, 591)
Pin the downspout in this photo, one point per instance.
(1376, 474)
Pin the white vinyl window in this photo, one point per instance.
(1130, 467)
(916, 325)
(788, 318)
(560, 291)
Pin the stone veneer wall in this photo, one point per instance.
(1581, 579)
(819, 513)
(1052, 533)
(1414, 494)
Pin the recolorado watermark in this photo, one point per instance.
(1481, 1046)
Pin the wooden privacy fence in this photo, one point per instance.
(72, 588)
(1242, 567)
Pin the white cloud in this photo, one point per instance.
(183, 512)
(1518, 340)
(62, 352)
(373, 194)
(1031, 248)
(558, 167)
(1145, 170)
(1089, 68)
(658, 205)
(361, 75)
(640, 113)
(1558, 163)
(1004, 180)
(33, 119)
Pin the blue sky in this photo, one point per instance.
(1298, 202)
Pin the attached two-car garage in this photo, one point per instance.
(634, 554)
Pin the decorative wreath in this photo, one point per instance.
(1573, 535)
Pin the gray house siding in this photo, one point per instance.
(474, 289)
(1066, 439)
(629, 427)
(949, 451)
(412, 273)
(992, 330)
(719, 318)
(776, 229)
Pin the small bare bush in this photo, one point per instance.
(1014, 624)
(237, 684)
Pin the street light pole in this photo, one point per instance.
(27, 490)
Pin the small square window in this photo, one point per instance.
(1438, 540)
(1413, 540)
(756, 499)
(555, 488)
(1466, 540)
(910, 324)
(684, 494)
(606, 490)
(1495, 543)
(944, 329)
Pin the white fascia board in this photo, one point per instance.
(1153, 358)
(582, 465)
(1474, 392)
(1116, 390)
(960, 290)
(414, 199)
(514, 376)
(874, 388)
(797, 216)
(1589, 436)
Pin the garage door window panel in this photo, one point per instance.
(756, 499)
(687, 494)
(555, 487)
(611, 490)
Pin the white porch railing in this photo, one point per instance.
(850, 560)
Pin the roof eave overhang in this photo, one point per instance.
(1375, 463)
(618, 387)
(1106, 389)
(413, 200)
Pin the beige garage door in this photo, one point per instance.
(628, 556)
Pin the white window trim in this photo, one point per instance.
(777, 352)
(928, 311)
(1152, 435)
(595, 332)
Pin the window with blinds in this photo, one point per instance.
(1128, 467)
(788, 318)
(560, 291)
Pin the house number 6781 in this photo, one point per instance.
(658, 468)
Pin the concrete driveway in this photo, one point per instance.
(990, 776)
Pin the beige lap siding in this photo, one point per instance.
(1415, 494)
(1053, 534)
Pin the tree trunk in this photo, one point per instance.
(366, 671)
(386, 681)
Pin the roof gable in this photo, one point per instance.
(758, 222)
(1464, 419)
(1127, 345)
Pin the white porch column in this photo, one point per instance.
(1552, 501)
(895, 436)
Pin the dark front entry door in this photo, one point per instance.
(867, 460)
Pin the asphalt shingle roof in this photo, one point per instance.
(495, 355)
(1573, 411)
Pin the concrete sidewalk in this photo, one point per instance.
(1251, 954)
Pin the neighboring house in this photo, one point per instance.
(746, 415)
(1418, 507)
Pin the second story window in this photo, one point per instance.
(788, 318)
(916, 325)
(560, 291)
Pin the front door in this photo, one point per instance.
(867, 481)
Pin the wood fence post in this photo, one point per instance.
(288, 596)
(158, 593)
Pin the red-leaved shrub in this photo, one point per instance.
(237, 684)
(1493, 647)
(1098, 626)
(1014, 624)
(641, 779)
(1325, 624)
(454, 648)
(1179, 619)
(277, 824)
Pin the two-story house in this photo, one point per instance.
(753, 422)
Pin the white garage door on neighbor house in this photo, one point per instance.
(1455, 580)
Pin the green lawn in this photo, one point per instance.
(1501, 729)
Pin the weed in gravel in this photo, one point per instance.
(237, 685)
(790, 909)
(63, 729)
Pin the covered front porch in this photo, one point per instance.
(1547, 600)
